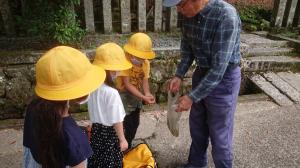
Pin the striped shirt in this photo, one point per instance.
(212, 39)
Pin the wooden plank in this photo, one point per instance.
(125, 16)
(173, 18)
(158, 15)
(283, 86)
(142, 15)
(107, 16)
(89, 15)
(278, 12)
(291, 13)
(271, 90)
(7, 17)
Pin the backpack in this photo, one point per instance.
(139, 157)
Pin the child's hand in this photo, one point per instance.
(149, 99)
(123, 145)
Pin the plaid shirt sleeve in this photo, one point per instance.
(187, 58)
(222, 50)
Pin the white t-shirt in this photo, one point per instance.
(105, 106)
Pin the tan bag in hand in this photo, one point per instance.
(173, 117)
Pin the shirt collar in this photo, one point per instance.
(207, 8)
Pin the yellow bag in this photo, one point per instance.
(139, 157)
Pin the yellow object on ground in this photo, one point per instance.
(139, 157)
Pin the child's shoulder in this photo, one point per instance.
(109, 90)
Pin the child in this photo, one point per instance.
(133, 83)
(107, 112)
(51, 136)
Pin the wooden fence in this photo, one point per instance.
(125, 16)
(286, 13)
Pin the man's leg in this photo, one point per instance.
(199, 135)
(221, 105)
(198, 129)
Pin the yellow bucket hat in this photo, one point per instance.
(64, 73)
(111, 56)
(140, 45)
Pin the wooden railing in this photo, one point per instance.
(286, 13)
(120, 16)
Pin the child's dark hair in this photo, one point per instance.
(48, 133)
(108, 80)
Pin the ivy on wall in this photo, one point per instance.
(51, 19)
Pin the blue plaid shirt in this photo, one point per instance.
(212, 39)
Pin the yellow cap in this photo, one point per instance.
(64, 73)
(110, 56)
(140, 45)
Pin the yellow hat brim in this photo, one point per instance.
(139, 54)
(90, 82)
(115, 67)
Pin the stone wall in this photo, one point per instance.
(17, 77)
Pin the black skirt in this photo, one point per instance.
(106, 148)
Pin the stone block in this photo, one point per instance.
(19, 91)
(19, 57)
(162, 70)
(283, 86)
(291, 13)
(7, 17)
(271, 91)
(278, 12)
(107, 16)
(292, 78)
(2, 83)
(89, 15)
(173, 18)
(125, 16)
(158, 15)
(142, 15)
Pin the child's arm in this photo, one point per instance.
(120, 133)
(133, 90)
(146, 89)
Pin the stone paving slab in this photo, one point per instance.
(292, 78)
(257, 41)
(274, 51)
(265, 136)
(268, 63)
(270, 90)
(283, 86)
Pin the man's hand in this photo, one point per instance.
(174, 84)
(184, 103)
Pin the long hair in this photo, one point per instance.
(48, 133)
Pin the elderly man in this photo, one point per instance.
(211, 37)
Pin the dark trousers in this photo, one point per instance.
(131, 123)
(212, 118)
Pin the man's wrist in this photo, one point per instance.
(179, 76)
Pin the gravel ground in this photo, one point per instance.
(266, 135)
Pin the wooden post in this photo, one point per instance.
(291, 14)
(7, 18)
(173, 18)
(107, 16)
(142, 15)
(278, 12)
(89, 15)
(158, 15)
(125, 16)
